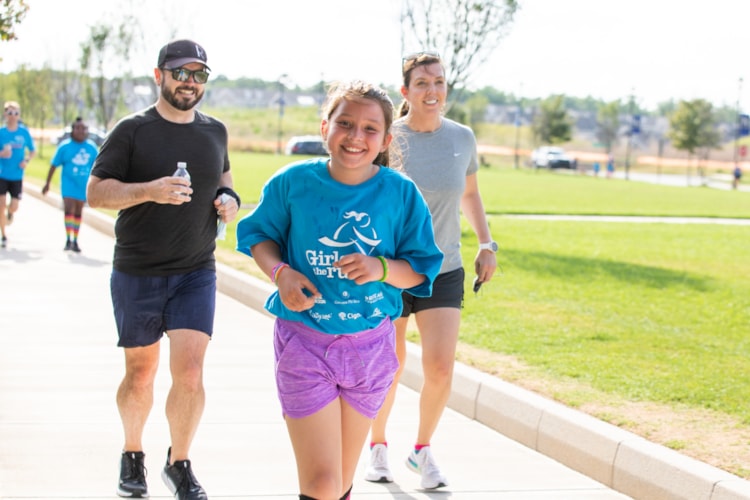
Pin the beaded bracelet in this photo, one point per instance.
(385, 267)
(277, 269)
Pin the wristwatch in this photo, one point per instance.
(492, 246)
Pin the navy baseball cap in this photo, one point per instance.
(178, 53)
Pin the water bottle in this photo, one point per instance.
(182, 172)
(221, 226)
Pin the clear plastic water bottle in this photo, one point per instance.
(182, 172)
(221, 226)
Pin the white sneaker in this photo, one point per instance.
(377, 470)
(422, 463)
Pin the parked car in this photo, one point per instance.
(306, 145)
(97, 136)
(551, 157)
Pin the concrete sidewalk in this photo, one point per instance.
(60, 434)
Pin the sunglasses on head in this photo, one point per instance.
(418, 57)
(183, 75)
(12, 112)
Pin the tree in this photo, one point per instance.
(464, 32)
(107, 45)
(67, 91)
(12, 14)
(551, 124)
(477, 107)
(608, 124)
(32, 88)
(693, 126)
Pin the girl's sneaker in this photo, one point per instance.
(377, 470)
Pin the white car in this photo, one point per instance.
(550, 157)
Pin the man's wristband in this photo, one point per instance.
(230, 192)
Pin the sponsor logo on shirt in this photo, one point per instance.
(377, 313)
(320, 317)
(345, 316)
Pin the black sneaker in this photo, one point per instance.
(74, 246)
(68, 245)
(180, 480)
(4, 242)
(132, 475)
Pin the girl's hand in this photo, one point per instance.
(360, 268)
(296, 292)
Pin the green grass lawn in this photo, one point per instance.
(528, 191)
(647, 312)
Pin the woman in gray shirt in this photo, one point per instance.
(440, 155)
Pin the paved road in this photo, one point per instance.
(59, 369)
(716, 181)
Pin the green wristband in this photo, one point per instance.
(385, 267)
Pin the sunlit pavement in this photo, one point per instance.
(60, 434)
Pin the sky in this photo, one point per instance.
(654, 50)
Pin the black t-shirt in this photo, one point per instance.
(155, 239)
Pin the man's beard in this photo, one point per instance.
(179, 103)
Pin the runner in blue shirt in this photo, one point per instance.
(16, 150)
(76, 157)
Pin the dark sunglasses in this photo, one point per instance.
(476, 285)
(12, 112)
(183, 75)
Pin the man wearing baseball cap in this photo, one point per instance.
(164, 273)
(181, 52)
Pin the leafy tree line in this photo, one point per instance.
(464, 32)
(54, 97)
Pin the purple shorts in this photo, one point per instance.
(314, 368)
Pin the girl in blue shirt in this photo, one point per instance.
(341, 237)
(76, 156)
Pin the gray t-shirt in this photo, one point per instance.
(439, 162)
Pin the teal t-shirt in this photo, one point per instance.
(316, 220)
(76, 160)
(20, 140)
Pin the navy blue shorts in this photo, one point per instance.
(447, 291)
(147, 306)
(15, 188)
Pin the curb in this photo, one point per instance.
(612, 456)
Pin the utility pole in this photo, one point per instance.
(518, 124)
(282, 86)
(738, 130)
(630, 135)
